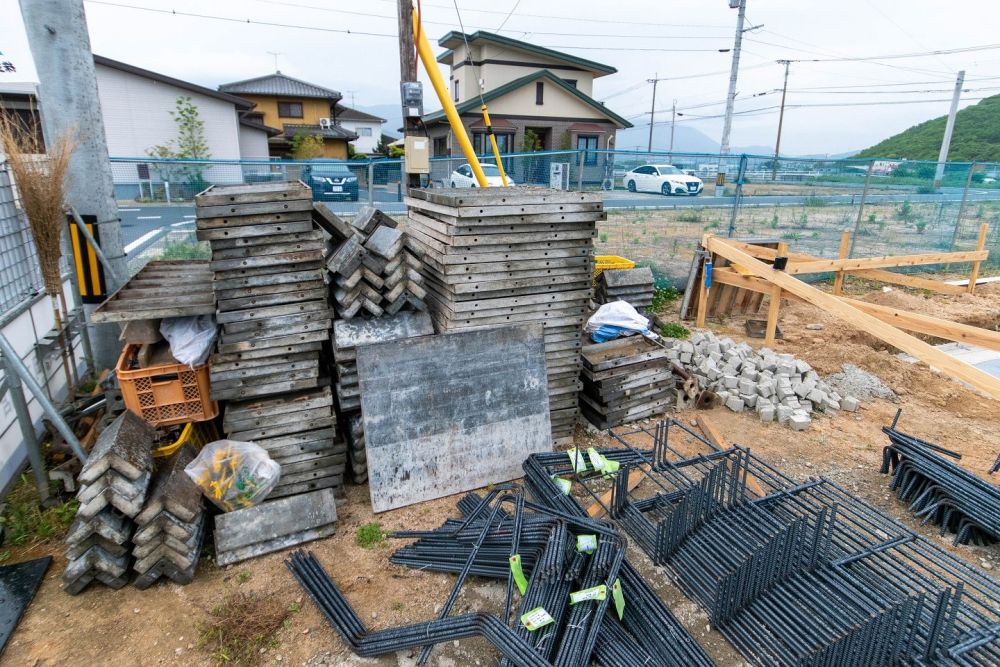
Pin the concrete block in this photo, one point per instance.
(784, 414)
(785, 368)
(750, 400)
(802, 367)
(730, 381)
(765, 388)
(830, 404)
(735, 403)
(747, 387)
(849, 404)
(686, 357)
(791, 401)
(799, 421)
(783, 392)
(766, 413)
(816, 396)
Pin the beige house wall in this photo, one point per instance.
(557, 103)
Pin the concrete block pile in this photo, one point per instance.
(113, 487)
(371, 269)
(348, 335)
(170, 528)
(778, 387)
(635, 286)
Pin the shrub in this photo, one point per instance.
(369, 535)
(674, 330)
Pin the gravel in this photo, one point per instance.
(853, 381)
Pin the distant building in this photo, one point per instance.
(530, 91)
(365, 125)
(300, 108)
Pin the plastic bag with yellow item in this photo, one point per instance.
(233, 474)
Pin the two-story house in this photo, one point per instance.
(365, 125)
(531, 91)
(297, 108)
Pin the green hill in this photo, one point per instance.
(976, 137)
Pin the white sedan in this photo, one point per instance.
(663, 178)
(464, 178)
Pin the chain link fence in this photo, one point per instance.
(20, 275)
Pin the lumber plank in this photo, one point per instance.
(947, 364)
(713, 435)
(845, 246)
(980, 245)
(596, 508)
(825, 265)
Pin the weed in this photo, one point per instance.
(185, 250)
(803, 220)
(812, 201)
(294, 608)
(241, 627)
(603, 237)
(369, 535)
(714, 224)
(980, 211)
(871, 218)
(26, 523)
(904, 212)
(689, 216)
(674, 330)
(4, 556)
(637, 241)
(244, 576)
(792, 236)
(662, 297)
(926, 190)
(398, 606)
(774, 221)
(921, 225)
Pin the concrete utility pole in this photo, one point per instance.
(407, 70)
(781, 121)
(727, 125)
(67, 95)
(948, 129)
(673, 122)
(652, 113)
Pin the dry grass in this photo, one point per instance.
(242, 627)
(40, 176)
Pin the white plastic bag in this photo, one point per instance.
(618, 314)
(190, 338)
(234, 474)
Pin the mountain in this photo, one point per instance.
(976, 136)
(392, 113)
(686, 140)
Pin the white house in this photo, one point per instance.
(365, 125)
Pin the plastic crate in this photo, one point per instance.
(197, 434)
(166, 394)
(602, 262)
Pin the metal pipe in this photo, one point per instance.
(15, 363)
(27, 428)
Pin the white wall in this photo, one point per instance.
(253, 143)
(364, 144)
(136, 113)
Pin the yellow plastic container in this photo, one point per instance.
(198, 434)
(602, 262)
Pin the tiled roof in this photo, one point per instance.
(279, 84)
(332, 132)
(347, 113)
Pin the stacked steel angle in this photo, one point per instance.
(271, 296)
(372, 272)
(502, 256)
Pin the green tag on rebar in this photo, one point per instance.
(596, 459)
(577, 460)
(595, 593)
(515, 569)
(586, 544)
(536, 618)
(610, 467)
(564, 485)
(616, 595)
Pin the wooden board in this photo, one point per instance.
(174, 288)
(450, 413)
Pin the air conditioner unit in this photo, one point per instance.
(325, 123)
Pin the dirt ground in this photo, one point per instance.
(160, 625)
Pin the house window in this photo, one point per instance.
(539, 93)
(504, 142)
(440, 146)
(456, 89)
(588, 143)
(481, 142)
(571, 82)
(290, 109)
(364, 131)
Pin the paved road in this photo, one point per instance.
(139, 222)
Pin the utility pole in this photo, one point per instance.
(407, 71)
(652, 112)
(67, 95)
(781, 120)
(948, 129)
(720, 177)
(673, 122)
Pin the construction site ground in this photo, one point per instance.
(162, 624)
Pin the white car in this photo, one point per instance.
(464, 178)
(663, 178)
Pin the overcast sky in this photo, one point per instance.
(641, 38)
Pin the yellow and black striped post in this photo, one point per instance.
(89, 272)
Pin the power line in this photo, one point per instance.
(506, 18)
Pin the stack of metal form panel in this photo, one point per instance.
(635, 286)
(113, 486)
(512, 255)
(171, 526)
(299, 432)
(372, 271)
(347, 336)
(625, 380)
(269, 288)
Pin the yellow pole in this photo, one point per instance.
(493, 143)
(430, 65)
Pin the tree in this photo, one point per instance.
(307, 146)
(382, 148)
(190, 144)
(530, 142)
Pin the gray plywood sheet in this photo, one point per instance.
(450, 413)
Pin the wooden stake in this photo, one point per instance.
(702, 294)
(774, 304)
(845, 245)
(980, 245)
